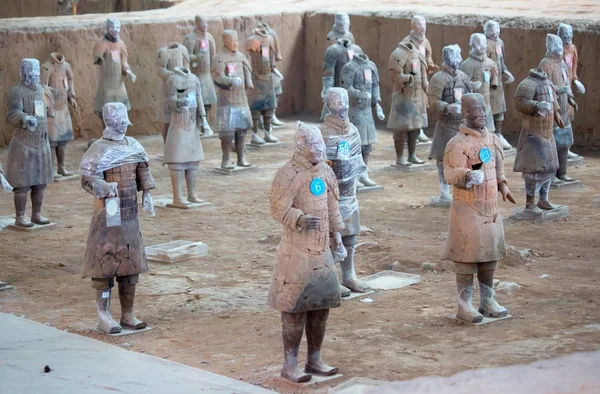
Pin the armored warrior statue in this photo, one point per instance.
(536, 154)
(262, 99)
(201, 47)
(58, 75)
(183, 148)
(571, 57)
(409, 101)
(110, 54)
(495, 51)
(114, 169)
(169, 57)
(304, 286)
(361, 79)
(343, 142)
(29, 161)
(556, 68)
(276, 73)
(445, 92)
(483, 72)
(336, 57)
(340, 30)
(418, 39)
(231, 73)
(474, 165)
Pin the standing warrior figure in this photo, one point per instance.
(536, 153)
(474, 165)
(304, 286)
(343, 142)
(445, 93)
(571, 57)
(183, 148)
(201, 47)
(57, 74)
(110, 54)
(418, 39)
(361, 79)
(340, 29)
(169, 57)
(277, 75)
(114, 169)
(29, 161)
(495, 51)
(232, 75)
(483, 72)
(556, 68)
(260, 49)
(409, 101)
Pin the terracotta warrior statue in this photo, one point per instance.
(114, 169)
(536, 154)
(276, 75)
(201, 47)
(169, 57)
(58, 75)
(474, 166)
(445, 92)
(557, 70)
(409, 101)
(344, 150)
(231, 73)
(341, 29)
(29, 161)
(260, 49)
(110, 54)
(570, 56)
(304, 286)
(495, 51)
(183, 148)
(336, 57)
(361, 79)
(483, 72)
(418, 39)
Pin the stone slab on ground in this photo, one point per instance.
(166, 201)
(6, 221)
(235, 170)
(265, 145)
(35, 227)
(84, 365)
(575, 161)
(437, 202)
(413, 168)
(4, 286)
(368, 189)
(176, 251)
(159, 158)
(566, 185)
(486, 320)
(357, 386)
(67, 178)
(390, 280)
(522, 214)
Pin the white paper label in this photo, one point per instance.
(115, 56)
(204, 45)
(40, 108)
(350, 54)
(265, 52)
(192, 100)
(368, 74)
(487, 77)
(458, 92)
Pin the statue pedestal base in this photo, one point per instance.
(35, 227)
(176, 251)
(367, 189)
(166, 201)
(266, 145)
(575, 161)
(235, 170)
(486, 320)
(437, 202)
(124, 331)
(317, 380)
(67, 178)
(566, 185)
(4, 286)
(413, 168)
(522, 214)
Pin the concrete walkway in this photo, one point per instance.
(85, 366)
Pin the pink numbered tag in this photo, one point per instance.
(458, 92)
(368, 74)
(415, 66)
(569, 59)
(231, 70)
(204, 44)
(498, 49)
(265, 52)
(115, 56)
(350, 54)
(422, 50)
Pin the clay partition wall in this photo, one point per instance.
(33, 8)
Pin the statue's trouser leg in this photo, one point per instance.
(176, 180)
(127, 297)
(53, 151)
(103, 288)
(444, 186)
(190, 181)
(349, 278)
(37, 199)
(292, 329)
(267, 118)
(256, 139)
(226, 144)
(531, 186)
(20, 199)
(487, 305)
(316, 324)
(544, 189)
(464, 287)
(61, 153)
(399, 141)
(165, 131)
(364, 177)
(563, 156)
(412, 147)
(240, 136)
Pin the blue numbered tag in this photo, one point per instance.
(343, 150)
(487, 77)
(485, 155)
(317, 187)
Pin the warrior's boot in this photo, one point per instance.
(412, 148)
(277, 122)
(572, 155)
(60, 158)
(487, 305)
(20, 205)
(127, 296)
(176, 181)
(55, 173)
(292, 328)
(316, 323)
(349, 278)
(544, 203)
(226, 149)
(256, 140)
(364, 177)
(206, 130)
(399, 147)
(106, 323)
(239, 145)
(190, 181)
(37, 198)
(422, 137)
(466, 312)
(530, 204)
(269, 137)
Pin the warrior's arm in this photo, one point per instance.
(144, 178)
(282, 199)
(336, 224)
(455, 165)
(15, 114)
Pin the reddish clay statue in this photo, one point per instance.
(304, 199)
(114, 169)
(341, 29)
(474, 166)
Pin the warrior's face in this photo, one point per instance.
(492, 29)
(310, 144)
(451, 56)
(30, 72)
(342, 22)
(116, 120)
(478, 43)
(230, 40)
(554, 46)
(473, 109)
(338, 103)
(201, 24)
(565, 32)
(113, 28)
(419, 27)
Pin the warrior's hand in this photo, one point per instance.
(278, 74)
(4, 183)
(543, 108)
(559, 120)
(148, 203)
(236, 82)
(73, 103)
(30, 123)
(563, 90)
(308, 222)
(477, 85)
(366, 96)
(454, 109)
(474, 177)
(509, 78)
(131, 75)
(339, 250)
(503, 189)
(379, 110)
(182, 102)
(108, 190)
(579, 86)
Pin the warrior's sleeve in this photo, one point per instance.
(575, 61)
(162, 61)
(424, 81)
(504, 68)
(218, 73)
(347, 82)
(456, 164)
(45, 72)
(95, 185)
(200, 111)
(144, 178)
(189, 43)
(396, 69)
(548, 69)
(329, 61)
(48, 95)
(336, 224)
(277, 47)
(247, 73)
(171, 95)
(99, 50)
(212, 46)
(124, 55)
(282, 198)
(70, 82)
(375, 93)
(524, 102)
(185, 54)
(428, 56)
(14, 111)
(434, 93)
(500, 178)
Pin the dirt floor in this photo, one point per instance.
(211, 313)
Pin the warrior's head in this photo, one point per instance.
(309, 143)
(554, 46)
(478, 43)
(230, 40)
(30, 72)
(565, 32)
(341, 22)
(451, 56)
(337, 103)
(116, 121)
(473, 110)
(419, 27)
(201, 23)
(113, 28)
(492, 29)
